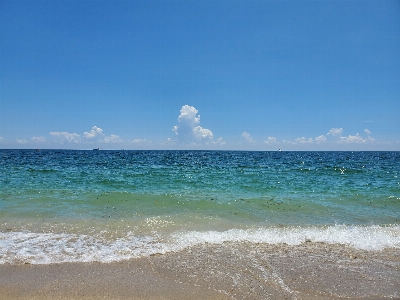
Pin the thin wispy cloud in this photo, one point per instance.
(38, 139)
(111, 139)
(219, 142)
(271, 140)
(304, 140)
(247, 136)
(21, 142)
(141, 141)
(64, 136)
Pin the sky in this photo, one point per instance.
(222, 74)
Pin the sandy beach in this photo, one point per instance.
(226, 271)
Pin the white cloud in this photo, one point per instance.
(320, 139)
(94, 132)
(271, 140)
(113, 138)
(351, 139)
(303, 140)
(288, 142)
(22, 142)
(356, 139)
(38, 139)
(335, 131)
(141, 141)
(248, 137)
(169, 141)
(203, 133)
(188, 130)
(219, 142)
(367, 131)
(66, 136)
(137, 141)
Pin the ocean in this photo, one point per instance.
(106, 206)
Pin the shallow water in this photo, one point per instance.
(65, 205)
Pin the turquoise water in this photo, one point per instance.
(132, 203)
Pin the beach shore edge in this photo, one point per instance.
(225, 271)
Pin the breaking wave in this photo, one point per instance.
(46, 248)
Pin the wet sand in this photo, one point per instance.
(227, 271)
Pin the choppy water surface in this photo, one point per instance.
(61, 205)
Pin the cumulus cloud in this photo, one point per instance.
(248, 137)
(356, 139)
(202, 133)
(21, 141)
(66, 136)
(38, 139)
(112, 139)
(335, 131)
(76, 138)
(367, 131)
(188, 130)
(320, 139)
(93, 133)
(270, 140)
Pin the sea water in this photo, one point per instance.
(82, 206)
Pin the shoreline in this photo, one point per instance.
(217, 271)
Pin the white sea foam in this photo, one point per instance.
(45, 248)
(366, 238)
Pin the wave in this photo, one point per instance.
(360, 237)
(47, 248)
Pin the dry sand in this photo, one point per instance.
(227, 271)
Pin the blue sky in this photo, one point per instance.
(263, 75)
